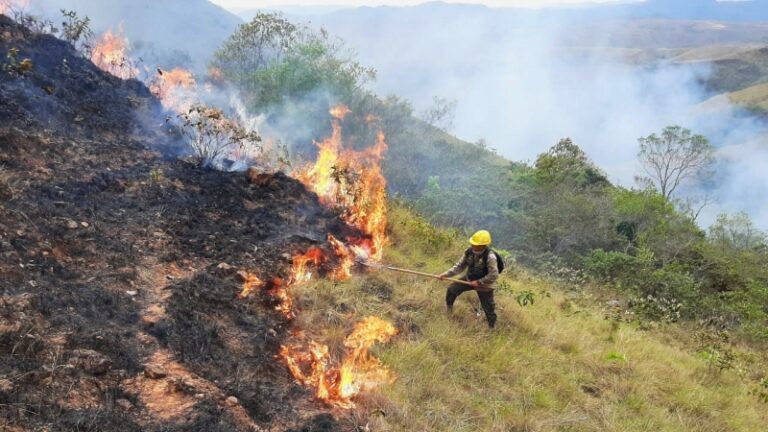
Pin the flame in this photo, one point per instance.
(343, 270)
(301, 272)
(276, 288)
(110, 54)
(358, 372)
(215, 74)
(340, 111)
(285, 301)
(352, 182)
(251, 282)
(173, 88)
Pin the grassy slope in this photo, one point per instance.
(755, 96)
(553, 366)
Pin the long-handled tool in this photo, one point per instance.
(414, 272)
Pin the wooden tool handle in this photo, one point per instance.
(435, 277)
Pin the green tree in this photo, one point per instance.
(736, 231)
(275, 61)
(564, 204)
(674, 157)
(566, 163)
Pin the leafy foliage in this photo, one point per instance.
(76, 30)
(15, 67)
(274, 61)
(737, 232)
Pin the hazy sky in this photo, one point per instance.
(496, 3)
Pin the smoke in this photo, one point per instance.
(167, 33)
(524, 80)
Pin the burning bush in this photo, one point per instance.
(173, 88)
(211, 134)
(110, 54)
(351, 182)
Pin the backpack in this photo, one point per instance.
(499, 259)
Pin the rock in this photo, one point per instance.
(199, 396)
(124, 404)
(224, 266)
(84, 224)
(243, 276)
(154, 371)
(6, 385)
(90, 361)
(258, 178)
(231, 401)
(72, 224)
(132, 293)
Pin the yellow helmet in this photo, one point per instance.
(480, 238)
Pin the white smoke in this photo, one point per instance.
(524, 80)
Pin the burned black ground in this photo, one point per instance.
(114, 255)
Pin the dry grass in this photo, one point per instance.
(549, 367)
(755, 96)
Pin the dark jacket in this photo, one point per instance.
(475, 264)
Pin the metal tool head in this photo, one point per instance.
(370, 264)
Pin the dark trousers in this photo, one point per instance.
(486, 300)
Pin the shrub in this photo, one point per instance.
(610, 266)
(211, 134)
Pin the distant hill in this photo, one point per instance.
(728, 10)
(749, 10)
(738, 71)
(159, 28)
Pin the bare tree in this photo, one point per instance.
(694, 206)
(211, 134)
(674, 157)
(441, 114)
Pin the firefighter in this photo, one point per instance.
(483, 268)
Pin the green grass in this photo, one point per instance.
(555, 366)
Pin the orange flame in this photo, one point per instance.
(344, 269)
(285, 304)
(276, 288)
(173, 88)
(301, 272)
(352, 182)
(110, 54)
(359, 371)
(251, 282)
(215, 74)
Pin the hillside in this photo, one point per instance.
(180, 30)
(755, 97)
(571, 361)
(141, 291)
(738, 71)
(121, 268)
